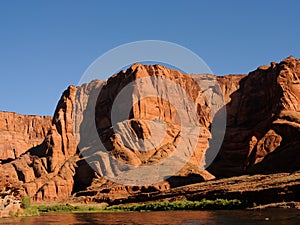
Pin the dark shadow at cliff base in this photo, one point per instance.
(177, 181)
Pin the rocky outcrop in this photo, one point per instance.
(18, 133)
(262, 125)
(251, 190)
(9, 206)
(49, 170)
(46, 171)
(90, 134)
(164, 102)
(144, 135)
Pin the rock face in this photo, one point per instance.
(46, 171)
(151, 117)
(19, 133)
(153, 128)
(263, 122)
(9, 206)
(62, 157)
(259, 189)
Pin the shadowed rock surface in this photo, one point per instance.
(258, 189)
(262, 134)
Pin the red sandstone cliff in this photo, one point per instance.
(262, 134)
(18, 133)
(46, 171)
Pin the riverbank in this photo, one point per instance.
(149, 206)
(204, 217)
(203, 205)
(280, 190)
(253, 189)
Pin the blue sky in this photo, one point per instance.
(47, 45)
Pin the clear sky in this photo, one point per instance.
(47, 45)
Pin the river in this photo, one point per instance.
(224, 217)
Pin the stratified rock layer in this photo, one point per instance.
(18, 133)
(59, 158)
(262, 133)
(164, 103)
(46, 171)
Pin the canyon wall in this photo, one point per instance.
(18, 133)
(263, 116)
(63, 157)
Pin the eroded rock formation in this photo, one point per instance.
(18, 133)
(46, 171)
(262, 133)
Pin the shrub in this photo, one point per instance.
(25, 202)
(181, 205)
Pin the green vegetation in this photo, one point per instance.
(28, 210)
(181, 205)
(31, 211)
(25, 212)
(26, 203)
(204, 204)
(68, 208)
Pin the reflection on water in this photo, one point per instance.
(243, 217)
